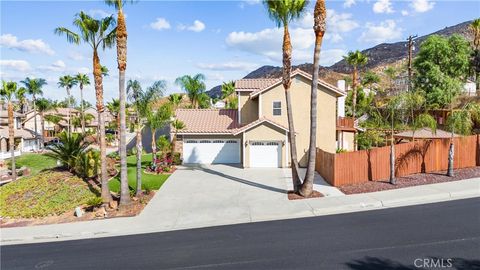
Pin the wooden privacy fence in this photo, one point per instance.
(410, 158)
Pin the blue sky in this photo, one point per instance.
(224, 40)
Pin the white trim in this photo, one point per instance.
(287, 144)
(205, 133)
(281, 110)
(260, 107)
(243, 150)
(256, 124)
(239, 113)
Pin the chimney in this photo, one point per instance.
(341, 100)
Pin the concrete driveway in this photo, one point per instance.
(223, 194)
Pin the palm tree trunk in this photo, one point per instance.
(42, 123)
(83, 109)
(68, 111)
(354, 100)
(286, 76)
(35, 120)
(97, 74)
(392, 157)
(154, 147)
(11, 139)
(139, 159)
(319, 28)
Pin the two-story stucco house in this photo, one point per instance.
(256, 135)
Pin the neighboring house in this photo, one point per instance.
(470, 88)
(220, 104)
(256, 135)
(24, 138)
(423, 134)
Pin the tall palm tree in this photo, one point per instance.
(82, 80)
(282, 12)
(193, 85)
(43, 105)
(121, 36)
(34, 88)
(8, 93)
(355, 59)
(157, 120)
(67, 82)
(142, 102)
(99, 35)
(319, 27)
(22, 99)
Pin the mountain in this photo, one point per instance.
(379, 56)
(389, 53)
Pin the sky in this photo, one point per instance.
(224, 40)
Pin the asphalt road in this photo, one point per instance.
(446, 235)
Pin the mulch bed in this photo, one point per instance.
(133, 209)
(294, 196)
(412, 180)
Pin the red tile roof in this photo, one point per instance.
(253, 84)
(208, 121)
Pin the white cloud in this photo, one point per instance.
(74, 55)
(18, 65)
(55, 66)
(26, 45)
(330, 57)
(349, 3)
(99, 13)
(228, 66)
(197, 26)
(405, 12)
(421, 6)
(160, 24)
(383, 6)
(83, 70)
(382, 32)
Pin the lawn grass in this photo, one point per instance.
(50, 192)
(149, 181)
(35, 162)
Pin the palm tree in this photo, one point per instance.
(157, 120)
(194, 86)
(98, 34)
(22, 99)
(34, 88)
(82, 80)
(121, 36)
(319, 27)
(43, 105)
(69, 149)
(142, 102)
(355, 59)
(8, 93)
(177, 125)
(67, 82)
(282, 12)
(175, 99)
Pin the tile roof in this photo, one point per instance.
(258, 122)
(18, 133)
(258, 86)
(208, 121)
(253, 84)
(425, 133)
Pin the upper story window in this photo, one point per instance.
(277, 108)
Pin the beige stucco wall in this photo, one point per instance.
(265, 132)
(300, 93)
(248, 108)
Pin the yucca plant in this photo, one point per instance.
(69, 149)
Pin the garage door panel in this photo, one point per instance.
(265, 154)
(208, 151)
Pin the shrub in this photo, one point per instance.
(176, 159)
(114, 155)
(88, 164)
(69, 148)
(95, 202)
(341, 150)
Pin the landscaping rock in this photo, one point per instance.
(78, 211)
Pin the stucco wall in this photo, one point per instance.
(265, 132)
(326, 115)
(248, 108)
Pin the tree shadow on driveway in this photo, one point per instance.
(237, 179)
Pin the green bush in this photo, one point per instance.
(69, 149)
(95, 202)
(176, 159)
(88, 164)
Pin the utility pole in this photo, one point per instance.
(410, 57)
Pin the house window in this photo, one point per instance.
(277, 108)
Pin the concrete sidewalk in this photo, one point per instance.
(202, 197)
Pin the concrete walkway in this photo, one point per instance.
(219, 195)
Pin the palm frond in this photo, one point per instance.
(72, 37)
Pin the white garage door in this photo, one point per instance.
(265, 154)
(208, 151)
